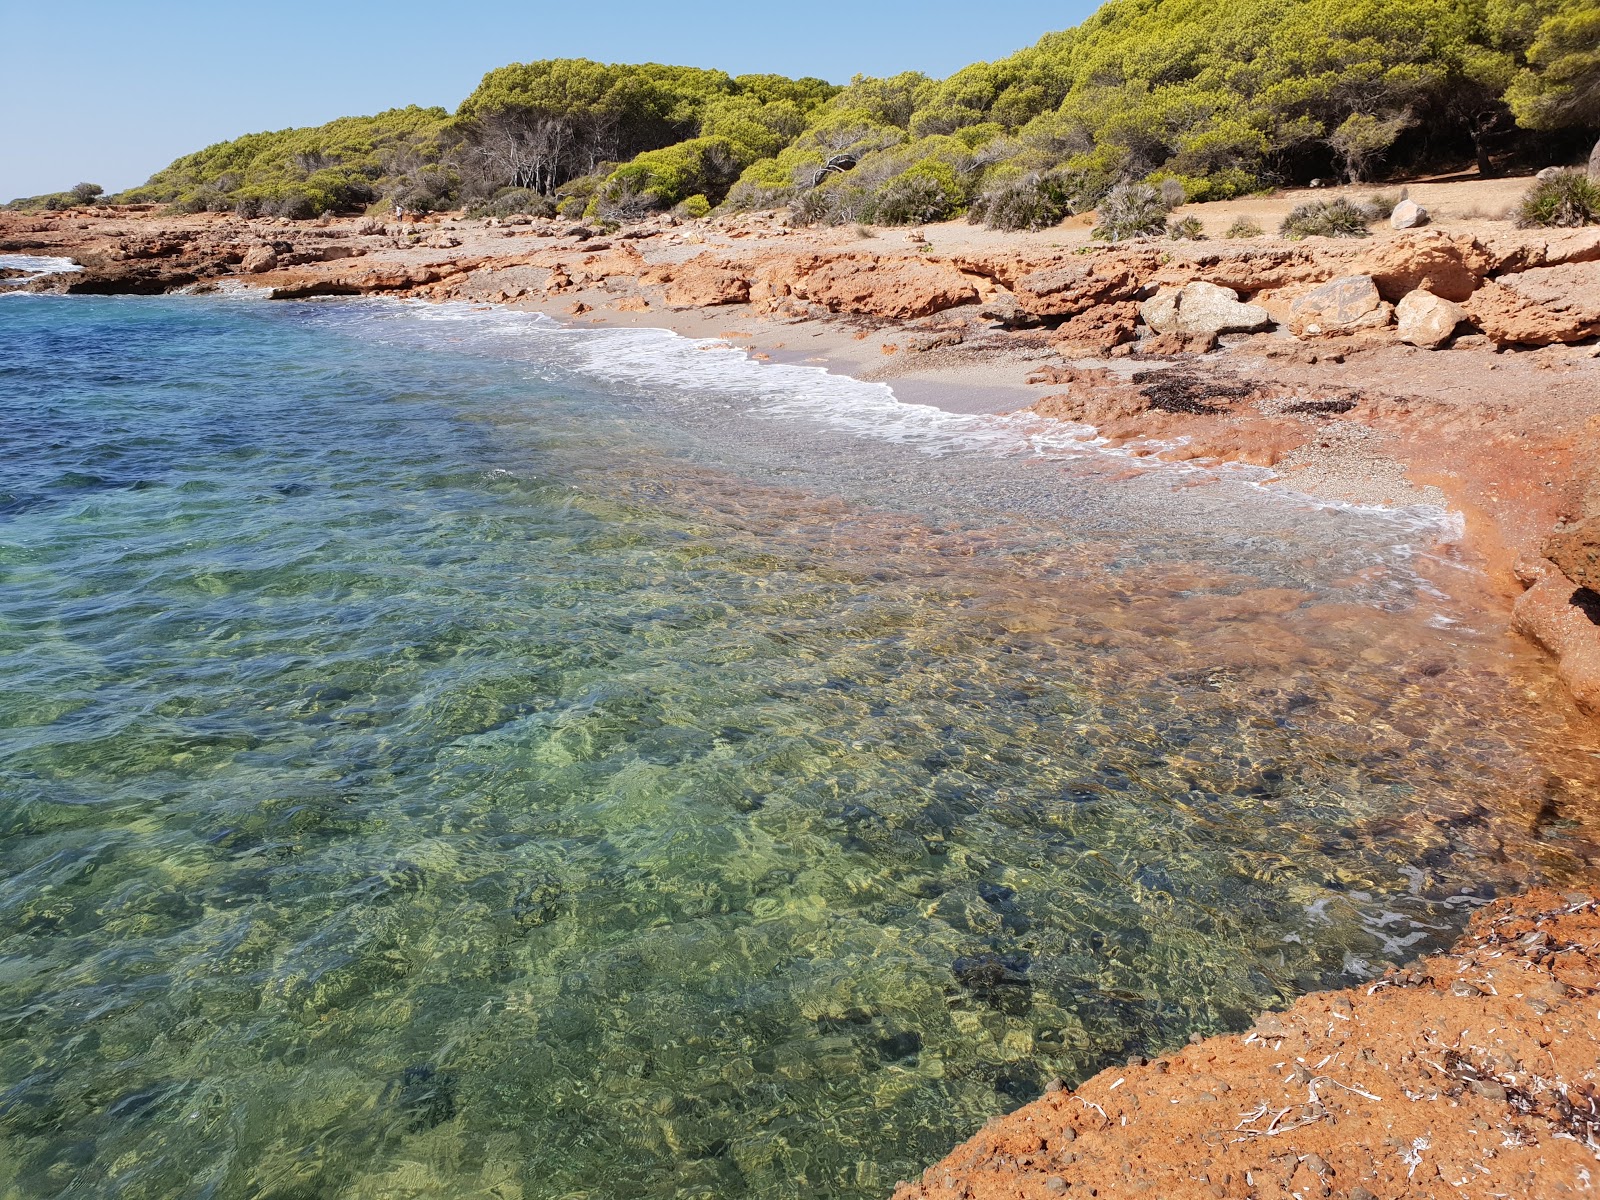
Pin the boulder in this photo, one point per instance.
(1539, 307)
(1549, 173)
(1575, 548)
(1427, 320)
(258, 260)
(1342, 305)
(1068, 290)
(1202, 308)
(879, 285)
(1558, 615)
(1408, 214)
(1098, 331)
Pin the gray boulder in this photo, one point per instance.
(1339, 306)
(1427, 320)
(1200, 308)
(1408, 214)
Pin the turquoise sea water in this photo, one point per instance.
(445, 755)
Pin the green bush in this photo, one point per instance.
(345, 164)
(1380, 205)
(1567, 199)
(87, 193)
(694, 207)
(1130, 210)
(1243, 227)
(512, 201)
(928, 192)
(1325, 218)
(1037, 200)
(1187, 230)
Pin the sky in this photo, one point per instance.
(110, 92)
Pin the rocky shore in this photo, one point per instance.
(1468, 1074)
(1454, 363)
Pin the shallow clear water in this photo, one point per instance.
(442, 754)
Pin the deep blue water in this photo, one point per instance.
(446, 755)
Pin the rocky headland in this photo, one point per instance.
(1456, 363)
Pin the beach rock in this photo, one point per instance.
(704, 282)
(1565, 619)
(1408, 214)
(1339, 306)
(1539, 307)
(1097, 331)
(1427, 320)
(1067, 290)
(258, 260)
(1177, 345)
(879, 285)
(1575, 549)
(1448, 265)
(1202, 308)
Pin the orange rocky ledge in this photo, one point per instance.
(1475, 1073)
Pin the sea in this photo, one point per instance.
(447, 753)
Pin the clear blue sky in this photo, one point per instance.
(110, 92)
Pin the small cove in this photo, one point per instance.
(441, 752)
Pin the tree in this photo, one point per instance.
(1362, 138)
(87, 193)
(1560, 89)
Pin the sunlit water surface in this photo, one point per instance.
(446, 755)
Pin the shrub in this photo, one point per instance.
(1187, 230)
(1566, 199)
(753, 196)
(1380, 205)
(1325, 218)
(694, 207)
(1172, 192)
(294, 204)
(506, 202)
(927, 192)
(621, 203)
(1036, 201)
(1130, 210)
(87, 193)
(1244, 227)
(810, 207)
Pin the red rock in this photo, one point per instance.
(1575, 549)
(1539, 307)
(704, 282)
(1448, 265)
(1098, 330)
(1562, 619)
(1074, 288)
(879, 285)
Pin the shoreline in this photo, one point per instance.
(1414, 427)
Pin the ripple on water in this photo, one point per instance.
(424, 772)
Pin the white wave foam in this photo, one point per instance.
(708, 371)
(37, 265)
